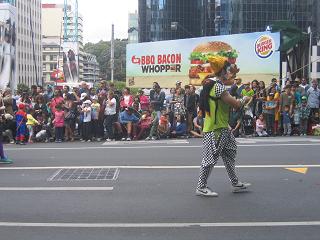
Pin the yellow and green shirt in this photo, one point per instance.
(219, 111)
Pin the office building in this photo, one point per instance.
(133, 27)
(91, 70)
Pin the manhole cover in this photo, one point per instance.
(82, 174)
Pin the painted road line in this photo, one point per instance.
(154, 147)
(56, 188)
(160, 225)
(159, 167)
(122, 143)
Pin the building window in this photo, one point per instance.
(318, 66)
(318, 51)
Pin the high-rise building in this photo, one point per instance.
(175, 19)
(62, 27)
(28, 52)
(7, 44)
(21, 44)
(242, 16)
(133, 27)
(91, 70)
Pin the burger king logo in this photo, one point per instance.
(264, 46)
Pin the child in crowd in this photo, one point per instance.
(261, 126)
(58, 123)
(304, 116)
(269, 107)
(31, 123)
(144, 101)
(21, 120)
(143, 125)
(136, 107)
(95, 107)
(164, 126)
(87, 119)
(180, 127)
(154, 124)
(286, 119)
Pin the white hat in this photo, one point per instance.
(95, 97)
(83, 96)
(87, 102)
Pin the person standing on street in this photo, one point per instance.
(218, 140)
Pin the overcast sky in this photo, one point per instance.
(100, 14)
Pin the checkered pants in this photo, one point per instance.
(214, 147)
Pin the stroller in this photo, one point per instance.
(247, 123)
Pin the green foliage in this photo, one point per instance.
(23, 88)
(102, 50)
(120, 85)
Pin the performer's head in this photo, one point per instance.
(223, 70)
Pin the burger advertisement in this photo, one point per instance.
(186, 60)
(200, 67)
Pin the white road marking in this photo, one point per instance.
(160, 225)
(120, 147)
(122, 143)
(56, 188)
(161, 167)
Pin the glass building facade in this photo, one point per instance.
(174, 19)
(197, 18)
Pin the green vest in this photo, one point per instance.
(219, 114)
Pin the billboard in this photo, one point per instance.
(70, 64)
(7, 46)
(185, 60)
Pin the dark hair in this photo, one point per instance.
(205, 95)
(186, 87)
(128, 89)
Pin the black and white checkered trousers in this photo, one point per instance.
(214, 147)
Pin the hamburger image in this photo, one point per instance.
(200, 67)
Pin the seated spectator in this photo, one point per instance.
(164, 126)
(235, 121)
(31, 123)
(198, 125)
(126, 100)
(180, 127)
(144, 101)
(137, 106)
(144, 125)
(127, 124)
(8, 127)
(154, 125)
(261, 126)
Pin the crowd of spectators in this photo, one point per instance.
(96, 114)
(292, 109)
(106, 113)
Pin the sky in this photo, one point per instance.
(99, 15)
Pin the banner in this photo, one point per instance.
(70, 62)
(7, 46)
(185, 60)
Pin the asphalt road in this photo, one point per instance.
(153, 193)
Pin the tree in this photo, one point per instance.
(102, 50)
